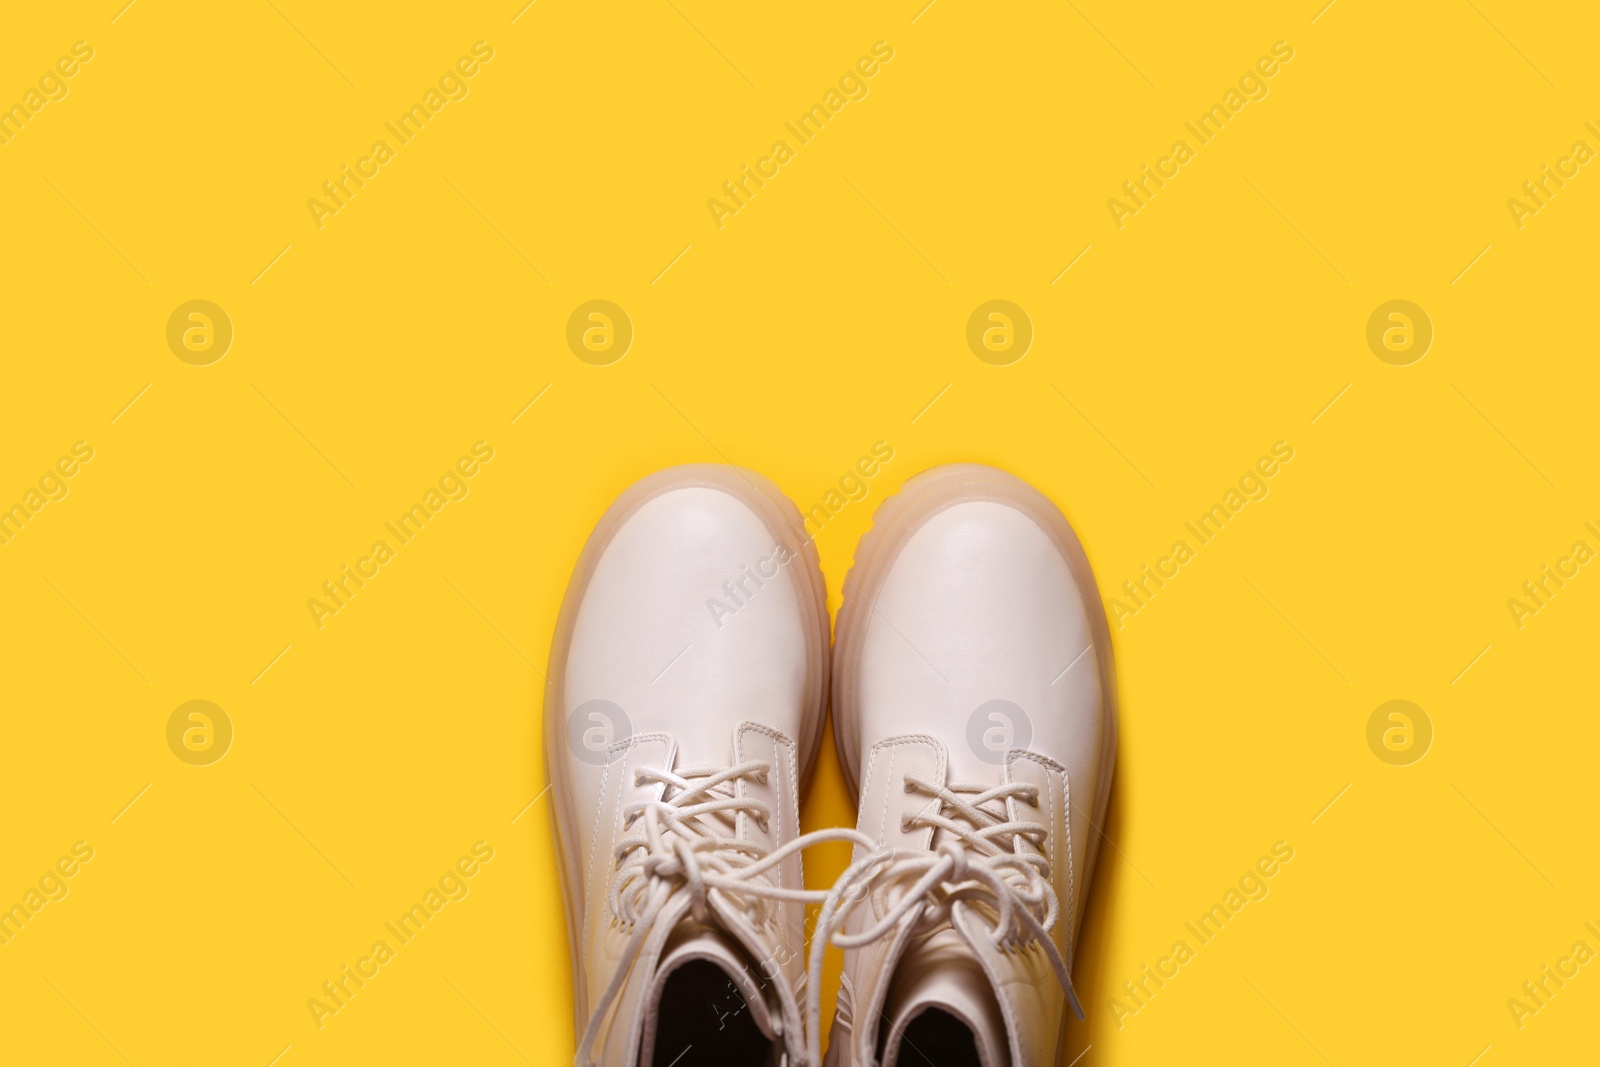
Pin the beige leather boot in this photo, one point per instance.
(976, 715)
(683, 710)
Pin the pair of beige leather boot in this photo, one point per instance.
(975, 717)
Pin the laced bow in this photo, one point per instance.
(686, 844)
(971, 864)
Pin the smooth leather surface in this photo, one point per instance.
(646, 605)
(980, 606)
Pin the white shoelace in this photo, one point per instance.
(687, 847)
(970, 865)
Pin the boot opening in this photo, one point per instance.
(937, 1039)
(703, 1019)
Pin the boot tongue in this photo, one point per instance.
(942, 973)
(744, 989)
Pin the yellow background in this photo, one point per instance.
(824, 316)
